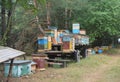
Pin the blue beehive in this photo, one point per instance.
(66, 38)
(42, 43)
(76, 28)
(20, 68)
(76, 31)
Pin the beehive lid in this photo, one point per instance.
(19, 62)
(7, 53)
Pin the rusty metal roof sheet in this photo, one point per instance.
(7, 53)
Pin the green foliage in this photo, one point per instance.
(100, 18)
(12, 6)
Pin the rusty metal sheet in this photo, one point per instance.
(7, 53)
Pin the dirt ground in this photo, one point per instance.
(52, 73)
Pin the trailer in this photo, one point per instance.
(63, 44)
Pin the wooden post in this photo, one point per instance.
(10, 70)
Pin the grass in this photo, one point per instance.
(113, 74)
(75, 72)
(113, 51)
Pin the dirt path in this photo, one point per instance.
(98, 74)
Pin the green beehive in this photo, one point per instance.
(20, 68)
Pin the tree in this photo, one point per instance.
(3, 18)
(103, 18)
(9, 7)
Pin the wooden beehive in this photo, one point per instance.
(42, 43)
(76, 28)
(72, 44)
(40, 61)
(66, 38)
(49, 43)
(20, 68)
(33, 66)
(66, 45)
(83, 32)
(49, 33)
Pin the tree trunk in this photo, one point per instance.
(66, 15)
(5, 33)
(3, 18)
(9, 21)
(48, 14)
(37, 18)
(69, 21)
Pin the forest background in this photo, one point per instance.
(21, 21)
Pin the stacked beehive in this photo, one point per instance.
(68, 43)
(42, 43)
(76, 28)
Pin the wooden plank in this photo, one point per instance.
(58, 60)
(54, 63)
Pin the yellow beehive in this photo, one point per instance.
(72, 44)
(49, 43)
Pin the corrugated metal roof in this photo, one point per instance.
(7, 53)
